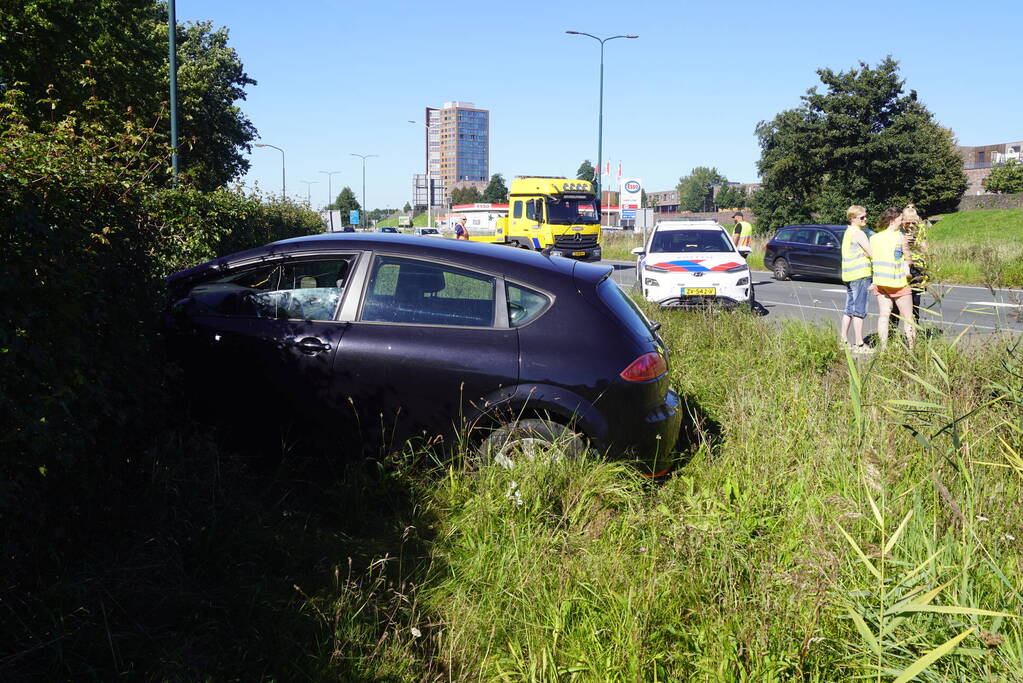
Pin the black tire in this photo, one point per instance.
(780, 269)
(528, 439)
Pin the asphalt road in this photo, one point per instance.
(953, 309)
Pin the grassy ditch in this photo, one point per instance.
(979, 247)
(830, 519)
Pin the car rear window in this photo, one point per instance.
(785, 235)
(625, 309)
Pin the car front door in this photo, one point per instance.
(428, 344)
(268, 337)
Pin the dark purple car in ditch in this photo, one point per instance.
(372, 340)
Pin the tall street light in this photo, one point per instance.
(308, 190)
(284, 192)
(330, 195)
(363, 157)
(426, 178)
(172, 58)
(600, 115)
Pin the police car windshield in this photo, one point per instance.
(690, 241)
(570, 211)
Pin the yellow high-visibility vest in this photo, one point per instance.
(889, 263)
(745, 233)
(855, 263)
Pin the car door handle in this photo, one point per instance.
(310, 345)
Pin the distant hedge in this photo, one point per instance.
(87, 237)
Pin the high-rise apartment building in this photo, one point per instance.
(458, 143)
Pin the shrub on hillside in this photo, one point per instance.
(88, 237)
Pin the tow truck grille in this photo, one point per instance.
(575, 241)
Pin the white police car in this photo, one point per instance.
(693, 263)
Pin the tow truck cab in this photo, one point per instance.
(555, 215)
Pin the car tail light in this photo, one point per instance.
(645, 368)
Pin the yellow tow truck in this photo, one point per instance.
(555, 215)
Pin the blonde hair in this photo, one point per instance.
(854, 211)
(910, 214)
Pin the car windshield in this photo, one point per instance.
(428, 231)
(690, 241)
(570, 211)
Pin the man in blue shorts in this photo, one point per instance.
(856, 273)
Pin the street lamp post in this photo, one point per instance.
(308, 190)
(600, 115)
(426, 178)
(284, 192)
(363, 157)
(330, 195)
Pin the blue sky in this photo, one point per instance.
(340, 77)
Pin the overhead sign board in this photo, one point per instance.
(353, 216)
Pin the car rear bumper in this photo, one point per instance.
(649, 441)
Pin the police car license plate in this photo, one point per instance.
(699, 291)
(578, 253)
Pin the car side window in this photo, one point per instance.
(826, 239)
(525, 305)
(804, 236)
(408, 291)
(299, 290)
(784, 235)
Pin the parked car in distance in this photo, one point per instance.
(693, 263)
(427, 232)
(389, 229)
(809, 250)
(375, 339)
(348, 228)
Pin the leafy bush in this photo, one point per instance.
(88, 237)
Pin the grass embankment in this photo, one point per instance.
(418, 221)
(978, 247)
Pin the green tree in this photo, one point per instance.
(861, 141)
(586, 171)
(345, 203)
(407, 207)
(213, 131)
(497, 191)
(1005, 179)
(694, 190)
(465, 195)
(111, 55)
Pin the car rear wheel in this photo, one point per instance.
(529, 440)
(781, 270)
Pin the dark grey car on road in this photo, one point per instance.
(813, 250)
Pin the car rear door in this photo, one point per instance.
(827, 254)
(800, 253)
(428, 343)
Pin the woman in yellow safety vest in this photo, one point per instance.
(856, 255)
(891, 275)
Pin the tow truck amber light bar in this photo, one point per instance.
(645, 368)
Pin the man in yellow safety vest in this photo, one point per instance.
(856, 274)
(743, 234)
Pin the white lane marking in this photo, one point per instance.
(874, 315)
(992, 303)
(840, 291)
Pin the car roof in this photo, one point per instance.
(494, 258)
(815, 225)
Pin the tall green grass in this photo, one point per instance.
(827, 529)
(830, 518)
